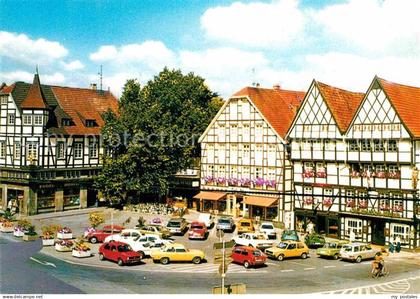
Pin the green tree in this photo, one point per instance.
(155, 133)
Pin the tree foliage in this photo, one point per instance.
(155, 133)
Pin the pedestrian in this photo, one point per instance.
(392, 245)
(9, 206)
(398, 247)
(352, 236)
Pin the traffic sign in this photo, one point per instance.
(219, 245)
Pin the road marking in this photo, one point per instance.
(43, 262)
(289, 270)
(349, 265)
(309, 269)
(329, 266)
(273, 264)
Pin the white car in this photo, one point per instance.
(155, 239)
(124, 236)
(208, 219)
(144, 247)
(358, 252)
(256, 240)
(267, 228)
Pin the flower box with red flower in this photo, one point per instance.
(271, 184)
(355, 174)
(363, 204)
(7, 227)
(209, 180)
(384, 207)
(381, 175)
(221, 182)
(321, 174)
(19, 231)
(394, 175)
(65, 233)
(327, 202)
(308, 173)
(398, 208)
(64, 245)
(81, 250)
(233, 182)
(351, 204)
(308, 201)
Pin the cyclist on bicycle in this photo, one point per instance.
(379, 262)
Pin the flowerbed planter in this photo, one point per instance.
(29, 237)
(81, 254)
(64, 236)
(18, 233)
(5, 229)
(48, 242)
(62, 248)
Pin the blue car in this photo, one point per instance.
(289, 235)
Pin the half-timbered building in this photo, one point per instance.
(49, 145)
(361, 176)
(244, 157)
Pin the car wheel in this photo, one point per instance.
(164, 261)
(246, 264)
(141, 253)
(196, 260)
(93, 240)
(120, 262)
(280, 257)
(101, 257)
(358, 259)
(336, 256)
(304, 255)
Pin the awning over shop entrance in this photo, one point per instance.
(210, 195)
(261, 201)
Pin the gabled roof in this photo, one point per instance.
(343, 104)
(35, 98)
(278, 106)
(406, 101)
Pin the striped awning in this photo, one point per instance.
(208, 195)
(262, 201)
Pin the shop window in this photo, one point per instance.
(71, 196)
(402, 231)
(46, 198)
(354, 225)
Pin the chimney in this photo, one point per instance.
(93, 86)
(276, 86)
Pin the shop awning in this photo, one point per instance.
(262, 201)
(210, 195)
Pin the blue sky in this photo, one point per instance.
(229, 43)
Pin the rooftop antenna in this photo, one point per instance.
(100, 79)
(253, 76)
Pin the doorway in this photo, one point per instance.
(378, 231)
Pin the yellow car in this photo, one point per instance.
(245, 226)
(288, 249)
(176, 252)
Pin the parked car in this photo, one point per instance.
(159, 230)
(119, 252)
(314, 240)
(268, 229)
(331, 249)
(125, 235)
(198, 230)
(147, 243)
(256, 240)
(225, 224)
(153, 239)
(358, 252)
(248, 256)
(245, 226)
(177, 226)
(287, 249)
(208, 219)
(99, 235)
(177, 253)
(289, 235)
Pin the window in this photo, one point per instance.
(245, 172)
(246, 130)
(259, 130)
(78, 149)
(353, 145)
(400, 230)
(378, 145)
(91, 123)
(392, 146)
(308, 190)
(60, 150)
(17, 150)
(37, 119)
(234, 129)
(246, 151)
(27, 119)
(259, 148)
(2, 149)
(258, 172)
(66, 122)
(354, 225)
(11, 118)
(365, 145)
(4, 99)
(32, 150)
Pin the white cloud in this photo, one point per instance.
(73, 65)
(255, 24)
(10, 77)
(390, 26)
(21, 48)
(153, 54)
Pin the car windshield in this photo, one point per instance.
(256, 253)
(267, 226)
(330, 245)
(347, 248)
(174, 224)
(224, 221)
(282, 245)
(124, 248)
(197, 226)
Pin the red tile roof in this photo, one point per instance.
(35, 98)
(343, 104)
(84, 104)
(278, 106)
(7, 89)
(406, 101)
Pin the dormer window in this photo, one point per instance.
(66, 122)
(91, 123)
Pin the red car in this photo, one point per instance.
(99, 235)
(198, 230)
(248, 256)
(119, 252)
